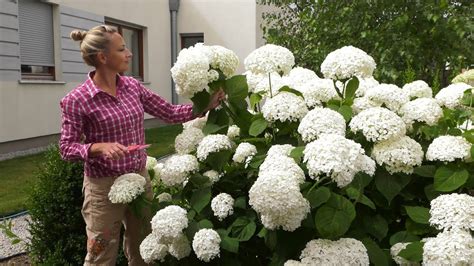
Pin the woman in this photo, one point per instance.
(108, 110)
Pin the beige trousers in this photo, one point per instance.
(104, 221)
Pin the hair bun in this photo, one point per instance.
(78, 35)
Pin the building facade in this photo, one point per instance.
(40, 64)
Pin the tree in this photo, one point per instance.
(433, 39)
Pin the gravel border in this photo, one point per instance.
(20, 225)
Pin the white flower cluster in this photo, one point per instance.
(347, 62)
(270, 58)
(425, 110)
(465, 77)
(206, 244)
(378, 124)
(273, 81)
(398, 154)
(233, 132)
(418, 89)
(285, 106)
(388, 94)
(454, 247)
(150, 162)
(167, 235)
(213, 143)
(276, 195)
(345, 251)
(244, 152)
(199, 122)
(362, 103)
(321, 121)
(164, 197)
(448, 149)
(222, 205)
(213, 176)
(223, 59)
(280, 149)
(451, 96)
(187, 141)
(299, 76)
(177, 169)
(365, 84)
(126, 188)
(317, 91)
(337, 157)
(452, 211)
(395, 250)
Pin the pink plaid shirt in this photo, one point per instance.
(88, 111)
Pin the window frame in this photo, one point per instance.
(190, 35)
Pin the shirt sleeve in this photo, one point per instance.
(72, 126)
(157, 106)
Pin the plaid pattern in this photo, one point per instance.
(89, 112)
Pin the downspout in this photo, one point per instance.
(174, 6)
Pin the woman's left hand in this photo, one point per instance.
(215, 101)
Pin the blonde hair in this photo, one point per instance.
(92, 42)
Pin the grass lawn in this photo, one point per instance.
(17, 175)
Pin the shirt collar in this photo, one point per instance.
(122, 83)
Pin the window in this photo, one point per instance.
(190, 39)
(36, 40)
(133, 38)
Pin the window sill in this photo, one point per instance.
(56, 82)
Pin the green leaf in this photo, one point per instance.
(390, 185)
(346, 112)
(472, 151)
(416, 228)
(447, 179)
(376, 226)
(200, 199)
(243, 229)
(230, 244)
(413, 252)
(240, 203)
(200, 101)
(257, 127)
(355, 194)
(318, 196)
(255, 98)
(361, 180)
(425, 170)
(430, 192)
(334, 218)
(420, 215)
(212, 128)
(402, 236)
(454, 132)
(288, 89)
(351, 87)
(204, 223)
(236, 88)
(376, 254)
(271, 239)
(15, 241)
(297, 153)
(217, 160)
(199, 179)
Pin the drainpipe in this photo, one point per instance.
(174, 6)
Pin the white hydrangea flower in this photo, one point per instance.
(347, 62)
(213, 176)
(126, 188)
(277, 198)
(345, 251)
(253, 80)
(187, 141)
(452, 211)
(454, 247)
(365, 84)
(222, 205)
(151, 249)
(392, 96)
(273, 81)
(418, 89)
(206, 244)
(465, 77)
(199, 122)
(398, 154)
(281, 163)
(285, 106)
(448, 149)
(395, 249)
(213, 143)
(292, 263)
(467, 125)
(317, 91)
(233, 132)
(164, 197)
(378, 124)
(169, 222)
(425, 110)
(298, 76)
(150, 162)
(180, 247)
(451, 96)
(244, 152)
(337, 157)
(223, 59)
(270, 58)
(178, 168)
(363, 103)
(321, 121)
(280, 149)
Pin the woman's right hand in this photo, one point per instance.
(112, 150)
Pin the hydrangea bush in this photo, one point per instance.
(298, 169)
